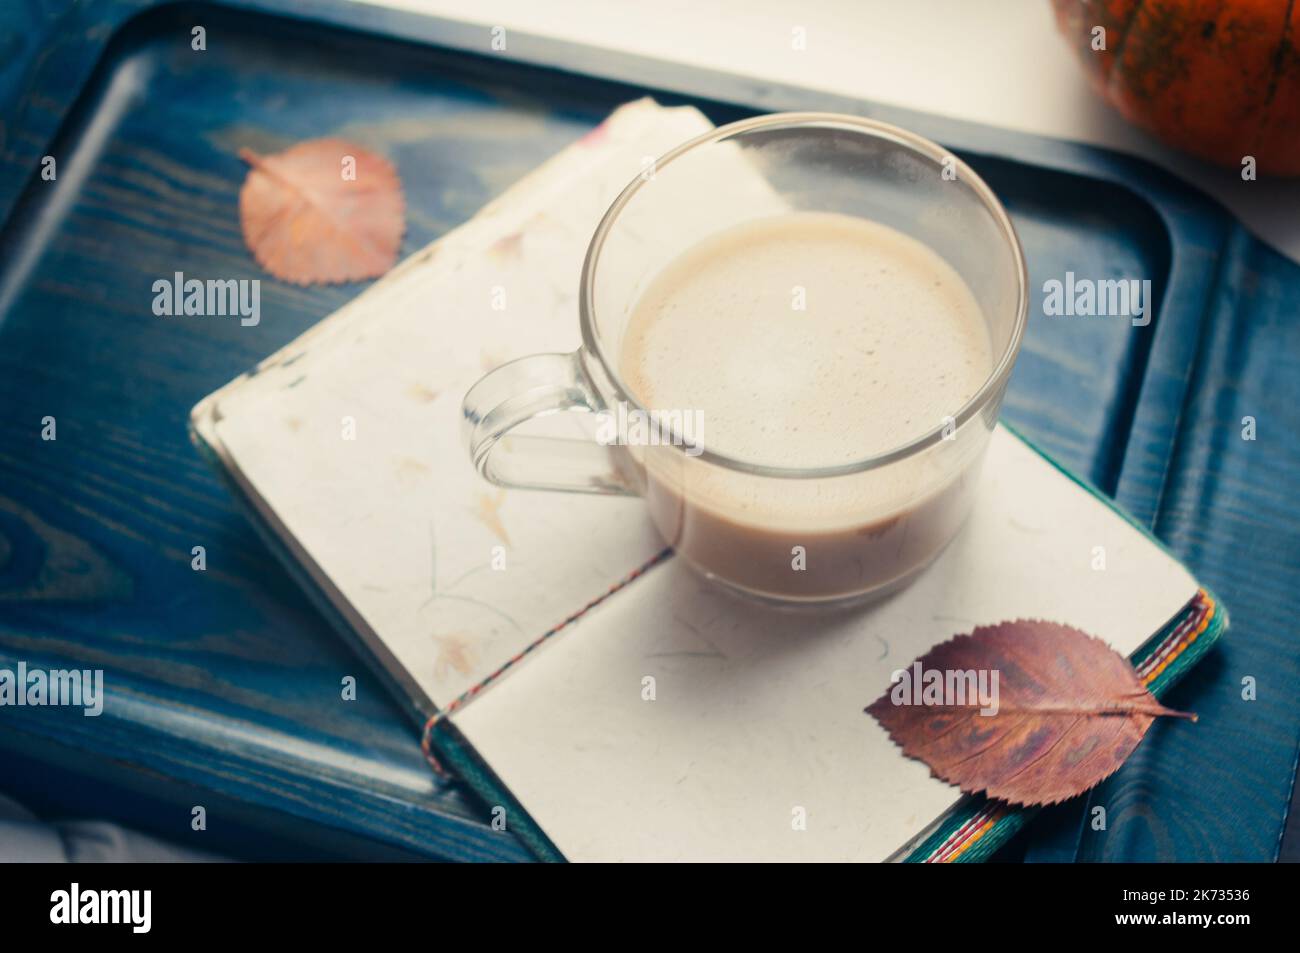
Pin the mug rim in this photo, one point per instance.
(987, 392)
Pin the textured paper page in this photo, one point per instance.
(759, 713)
(349, 440)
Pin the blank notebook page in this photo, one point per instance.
(758, 714)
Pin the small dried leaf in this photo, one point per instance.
(322, 212)
(1069, 711)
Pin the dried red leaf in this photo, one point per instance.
(322, 212)
(1070, 710)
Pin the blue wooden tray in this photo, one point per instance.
(224, 685)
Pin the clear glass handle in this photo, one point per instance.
(531, 387)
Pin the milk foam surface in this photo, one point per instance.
(808, 340)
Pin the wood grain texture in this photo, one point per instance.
(1229, 510)
(227, 681)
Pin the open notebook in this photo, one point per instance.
(523, 628)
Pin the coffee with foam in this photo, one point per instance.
(805, 341)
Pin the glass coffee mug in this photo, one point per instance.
(784, 533)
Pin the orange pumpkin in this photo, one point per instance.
(1217, 78)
